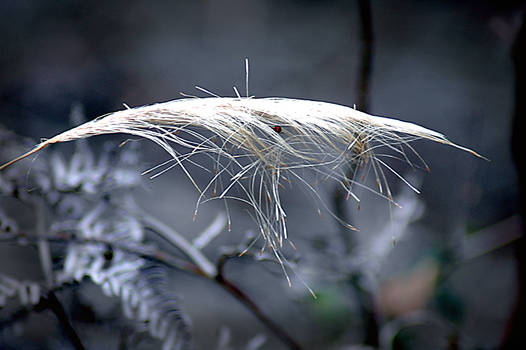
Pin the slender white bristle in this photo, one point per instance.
(256, 144)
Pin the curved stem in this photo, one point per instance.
(175, 238)
(366, 66)
(56, 307)
(203, 267)
(252, 306)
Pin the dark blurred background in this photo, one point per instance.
(446, 65)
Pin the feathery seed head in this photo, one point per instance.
(255, 144)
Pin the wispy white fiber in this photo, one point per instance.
(256, 146)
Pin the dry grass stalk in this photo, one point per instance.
(257, 144)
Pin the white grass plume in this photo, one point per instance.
(257, 144)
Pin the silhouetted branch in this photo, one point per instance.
(367, 51)
(362, 92)
(158, 255)
(514, 335)
(252, 306)
(56, 307)
(371, 336)
(50, 302)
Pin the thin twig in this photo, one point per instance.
(362, 92)
(144, 251)
(182, 243)
(44, 252)
(371, 336)
(169, 260)
(56, 307)
(367, 48)
(252, 306)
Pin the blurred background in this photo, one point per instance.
(452, 278)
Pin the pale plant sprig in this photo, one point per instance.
(257, 144)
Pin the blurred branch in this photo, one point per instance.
(362, 92)
(44, 252)
(51, 303)
(367, 51)
(144, 251)
(56, 307)
(367, 309)
(371, 336)
(158, 255)
(252, 306)
(514, 336)
(211, 232)
(392, 327)
(206, 269)
(491, 238)
(182, 243)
